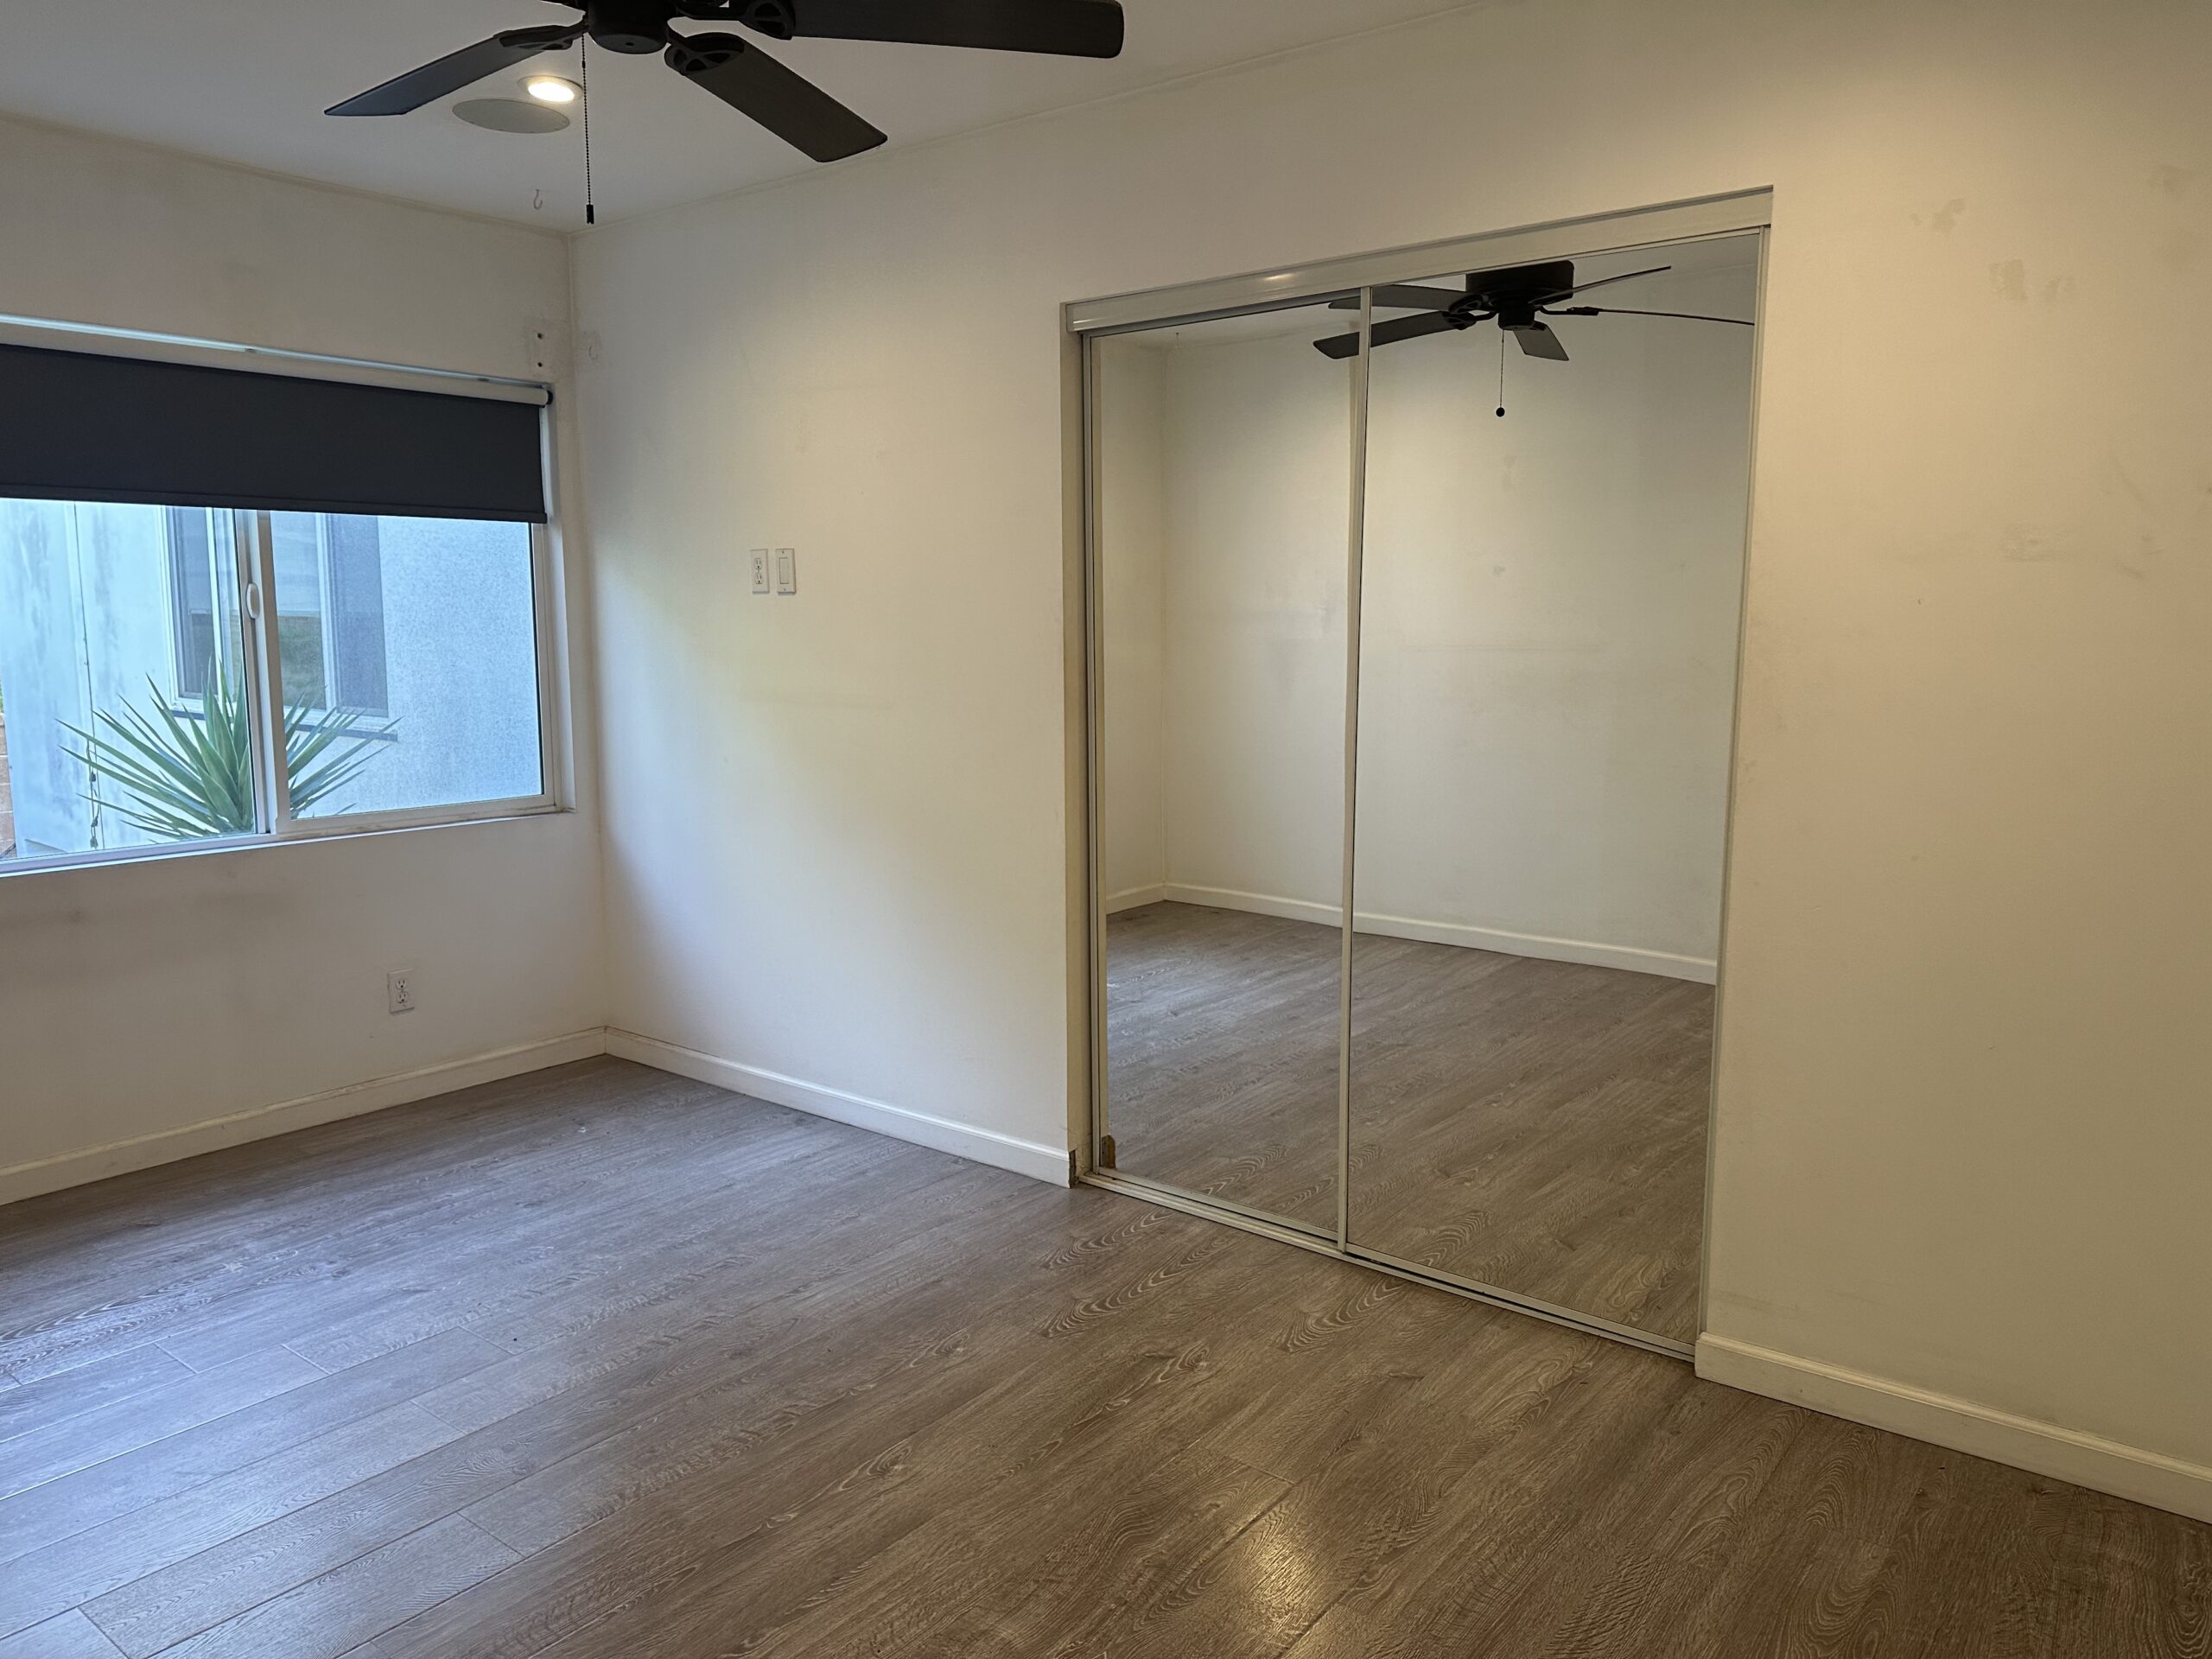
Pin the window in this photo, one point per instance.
(132, 669)
(238, 604)
(409, 647)
(114, 655)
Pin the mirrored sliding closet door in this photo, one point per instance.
(1221, 500)
(1413, 615)
(1551, 568)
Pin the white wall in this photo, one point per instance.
(1962, 1130)
(139, 1000)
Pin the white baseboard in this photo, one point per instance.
(167, 1146)
(1943, 1419)
(1130, 898)
(1634, 958)
(1031, 1158)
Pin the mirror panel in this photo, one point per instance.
(1549, 613)
(1221, 480)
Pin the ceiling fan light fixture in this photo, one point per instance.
(755, 84)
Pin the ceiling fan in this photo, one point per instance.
(1519, 296)
(747, 78)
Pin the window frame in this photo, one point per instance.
(326, 694)
(275, 823)
(181, 695)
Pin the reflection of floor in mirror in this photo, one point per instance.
(1221, 1055)
(1539, 1126)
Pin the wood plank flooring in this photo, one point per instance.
(1538, 1126)
(603, 1363)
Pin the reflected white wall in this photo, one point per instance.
(1550, 610)
(1131, 508)
(1549, 617)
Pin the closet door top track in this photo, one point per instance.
(1566, 239)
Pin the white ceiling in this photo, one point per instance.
(247, 80)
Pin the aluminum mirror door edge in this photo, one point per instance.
(1355, 563)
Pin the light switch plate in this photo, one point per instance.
(787, 570)
(761, 570)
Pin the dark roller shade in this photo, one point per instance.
(77, 426)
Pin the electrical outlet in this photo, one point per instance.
(761, 570)
(399, 990)
(787, 570)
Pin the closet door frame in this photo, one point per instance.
(1355, 276)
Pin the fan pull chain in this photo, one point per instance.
(591, 212)
(1501, 374)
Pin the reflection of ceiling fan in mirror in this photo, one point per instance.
(747, 78)
(1519, 296)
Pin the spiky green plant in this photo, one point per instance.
(186, 778)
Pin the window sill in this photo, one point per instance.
(298, 834)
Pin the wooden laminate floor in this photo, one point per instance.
(1538, 1126)
(601, 1363)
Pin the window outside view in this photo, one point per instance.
(408, 658)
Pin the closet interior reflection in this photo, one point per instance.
(1474, 539)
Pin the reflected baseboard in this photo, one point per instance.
(1634, 958)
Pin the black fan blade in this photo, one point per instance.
(1067, 28)
(1399, 297)
(1429, 322)
(1615, 311)
(456, 70)
(1599, 282)
(1538, 341)
(1398, 328)
(788, 105)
